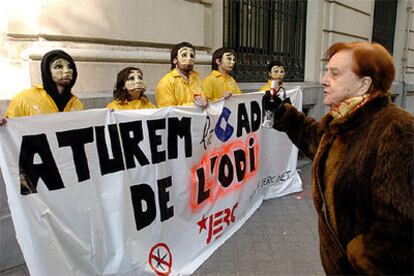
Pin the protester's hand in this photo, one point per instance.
(227, 94)
(270, 102)
(287, 100)
(275, 105)
(2, 121)
(200, 101)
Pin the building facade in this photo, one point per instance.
(104, 36)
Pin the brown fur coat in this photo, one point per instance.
(362, 185)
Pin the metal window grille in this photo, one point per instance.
(385, 14)
(264, 30)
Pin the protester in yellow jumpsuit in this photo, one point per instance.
(275, 71)
(181, 86)
(59, 75)
(219, 84)
(129, 91)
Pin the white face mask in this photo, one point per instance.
(62, 71)
(135, 83)
(185, 59)
(227, 62)
(277, 73)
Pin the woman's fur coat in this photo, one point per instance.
(362, 185)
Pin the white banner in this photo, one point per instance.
(140, 192)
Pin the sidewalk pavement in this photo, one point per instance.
(281, 238)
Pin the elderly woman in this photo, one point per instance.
(55, 95)
(363, 160)
(129, 91)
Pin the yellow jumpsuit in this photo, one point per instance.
(266, 87)
(134, 104)
(215, 84)
(35, 101)
(173, 89)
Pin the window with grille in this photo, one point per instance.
(264, 30)
(385, 14)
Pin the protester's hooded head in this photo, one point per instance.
(61, 99)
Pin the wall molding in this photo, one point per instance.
(346, 34)
(147, 55)
(96, 40)
(348, 7)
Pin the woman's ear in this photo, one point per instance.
(365, 85)
(175, 61)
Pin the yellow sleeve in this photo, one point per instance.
(76, 105)
(208, 88)
(264, 88)
(238, 91)
(17, 108)
(150, 105)
(164, 93)
(112, 105)
(79, 105)
(188, 104)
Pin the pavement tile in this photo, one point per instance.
(264, 266)
(245, 265)
(244, 273)
(227, 267)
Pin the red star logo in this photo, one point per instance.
(202, 224)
